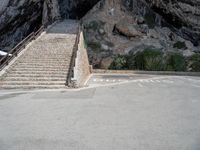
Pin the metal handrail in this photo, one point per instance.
(4, 61)
(73, 60)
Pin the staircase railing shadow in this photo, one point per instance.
(5, 60)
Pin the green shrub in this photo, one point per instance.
(149, 59)
(154, 60)
(175, 62)
(130, 60)
(119, 63)
(195, 63)
(180, 45)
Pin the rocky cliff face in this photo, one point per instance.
(126, 26)
(178, 20)
(18, 18)
(184, 15)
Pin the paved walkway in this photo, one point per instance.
(145, 114)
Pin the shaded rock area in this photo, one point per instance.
(136, 25)
(18, 18)
(75, 9)
(182, 14)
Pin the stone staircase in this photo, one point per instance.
(45, 62)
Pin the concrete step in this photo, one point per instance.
(32, 87)
(51, 50)
(37, 72)
(38, 68)
(27, 65)
(50, 55)
(45, 58)
(35, 75)
(63, 79)
(44, 61)
(30, 65)
(47, 54)
(33, 83)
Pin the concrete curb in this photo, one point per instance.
(102, 71)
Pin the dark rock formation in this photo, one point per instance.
(75, 9)
(183, 15)
(18, 18)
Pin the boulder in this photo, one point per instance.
(127, 29)
(106, 62)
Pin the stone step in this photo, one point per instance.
(36, 75)
(42, 56)
(38, 72)
(33, 83)
(32, 86)
(40, 64)
(48, 53)
(63, 79)
(51, 49)
(51, 55)
(43, 61)
(65, 58)
(38, 68)
(29, 64)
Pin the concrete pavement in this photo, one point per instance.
(158, 112)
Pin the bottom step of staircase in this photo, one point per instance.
(33, 87)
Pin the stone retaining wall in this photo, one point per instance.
(173, 73)
(82, 69)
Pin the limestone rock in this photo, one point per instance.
(127, 29)
(106, 62)
(183, 15)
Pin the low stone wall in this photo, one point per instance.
(82, 69)
(173, 73)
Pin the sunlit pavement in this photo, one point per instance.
(114, 112)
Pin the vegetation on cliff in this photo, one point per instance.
(155, 60)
